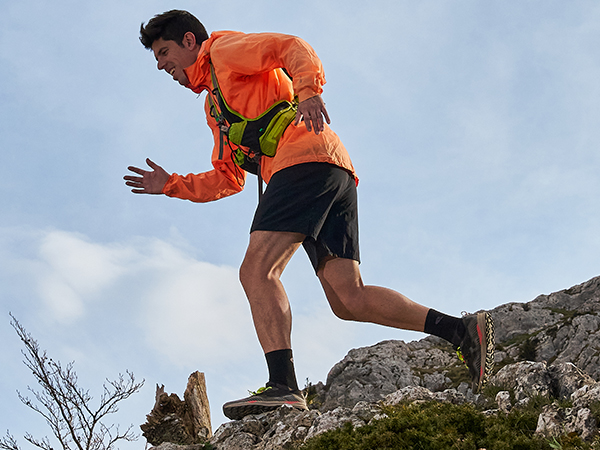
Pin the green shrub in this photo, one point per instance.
(443, 426)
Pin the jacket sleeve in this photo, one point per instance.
(225, 179)
(261, 52)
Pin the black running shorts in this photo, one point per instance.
(318, 200)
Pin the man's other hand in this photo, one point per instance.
(312, 111)
(150, 182)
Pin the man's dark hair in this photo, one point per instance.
(172, 26)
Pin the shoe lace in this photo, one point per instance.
(260, 390)
(460, 356)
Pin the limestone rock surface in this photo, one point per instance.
(548, 347)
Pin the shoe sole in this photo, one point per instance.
(485, 331)
(240, 410)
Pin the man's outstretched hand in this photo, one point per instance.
(312, 111)
(150, 182)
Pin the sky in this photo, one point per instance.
(474, 128)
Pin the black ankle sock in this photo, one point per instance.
(281, 368)
(444, 326)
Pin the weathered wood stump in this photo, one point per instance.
(196, 399)
(180, 422)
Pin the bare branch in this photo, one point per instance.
(66, 407)
(8, 442)
(44, 444)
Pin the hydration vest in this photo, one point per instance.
(260, 135)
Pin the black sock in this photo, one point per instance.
(281, 368)
(444, 326)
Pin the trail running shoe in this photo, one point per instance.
(265, 399)
(477, 348)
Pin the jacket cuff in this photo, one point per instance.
(169, 184)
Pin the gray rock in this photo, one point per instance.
(566, 379)
(367, 374)
(334, 419)
(525, 379)
(515, 319)
(366, 411)
(548, 347)
(555, 421)
(288, 426)
(171, 446)
(503, 401)
(277, 429)
(421, 394)
(371, 373)
(530, 379)
(583, 423)
(551, 421)
(586, 396)
(409, 394)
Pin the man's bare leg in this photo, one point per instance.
(350, 299)
(267, 256)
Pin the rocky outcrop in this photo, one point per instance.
(560, 327)
(549, 348)
(520, 383)
(559, 382)
(370, 373)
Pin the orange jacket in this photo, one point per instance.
(248, 68)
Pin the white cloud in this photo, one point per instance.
(72, 271)
(62, 301)
(189, 310)
(194, 311)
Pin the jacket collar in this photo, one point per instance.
(199, 73)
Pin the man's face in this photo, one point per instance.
(173, 59)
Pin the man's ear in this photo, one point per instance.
(189, 40)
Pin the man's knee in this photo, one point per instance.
(244, 274)
(254, 272)
(344, 292)
(342, 313)
(250, 272)
(345, 306)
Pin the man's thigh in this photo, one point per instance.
(270, 251)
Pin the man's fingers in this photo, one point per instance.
(315, 121)
(133, 183)
(318, 121)
(326, 114)
(136, 170)
(148, 181)
(307, 123)
(314, 113)
(152, 164)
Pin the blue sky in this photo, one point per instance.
(474, 128)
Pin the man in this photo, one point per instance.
(310, 198)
